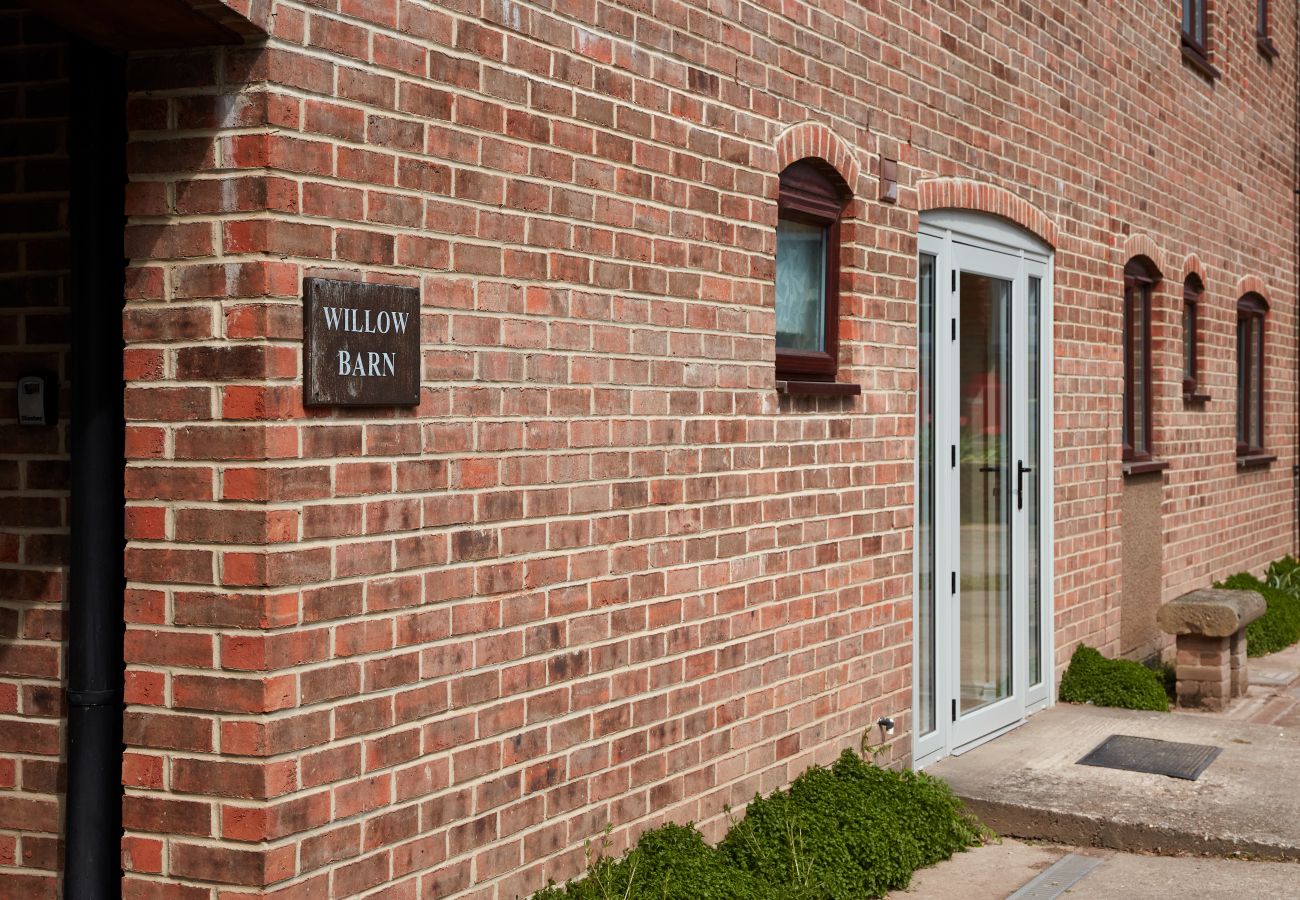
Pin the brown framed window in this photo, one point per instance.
(1196, 37)
(1140, 279)
(1194, 25)
(1263, 34)
(1192, 291)
(1252, 311)
(810, 207)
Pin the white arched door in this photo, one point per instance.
(982, 659)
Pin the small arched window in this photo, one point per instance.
(810, 207)
(1193, 288)
(1251, 313)
(1140, 278)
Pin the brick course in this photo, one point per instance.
(604, 573)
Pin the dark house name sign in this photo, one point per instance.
(361, 344)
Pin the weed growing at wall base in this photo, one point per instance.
(1092, 678)
(1279, 627)
(841, 833)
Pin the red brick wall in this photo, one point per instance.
(33, 460)
(604, 574)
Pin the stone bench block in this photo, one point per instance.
(1212, 612)
(1210, 625)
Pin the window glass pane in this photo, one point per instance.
(1139, 375)
(1257, 382)
(1033, 500)
(1128, 366)
(1199, 21)
(1188, 13)
(1243, 330)
(1261, 18)
(800, 286)
(986, 493)
(925, 559)
(1189, 341)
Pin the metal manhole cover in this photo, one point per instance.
(1139, 754)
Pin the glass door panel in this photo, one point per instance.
(926, 703)
(1027, 473)
(985, 580)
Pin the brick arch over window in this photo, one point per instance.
(1193, 266)
(813, 139)
(963, 193)
(1253, 284)
(1142, 245)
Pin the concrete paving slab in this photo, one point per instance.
(1271, 677)
(1027, 784)
(996, 871)
(1136, 877)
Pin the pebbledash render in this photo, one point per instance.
(782, 368)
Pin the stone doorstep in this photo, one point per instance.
(1027, 784)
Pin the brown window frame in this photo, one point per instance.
(1193, 291)
(1251, 307)
(1263, 34)
(1140, 280)
(1197, 50)
(1200, 22)
(809, 193)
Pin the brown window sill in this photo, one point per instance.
(1255, 460)
(1266, 46)
(1197, 60)
(1196, 397)
(818, 388)
(1145, 466)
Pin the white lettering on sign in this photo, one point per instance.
(368, 365)
(361, 344)
(359, 321)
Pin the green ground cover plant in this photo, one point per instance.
(849, 831)
(1279, 627)
(1092, 678)
(1167, 672)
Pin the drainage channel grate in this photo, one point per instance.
(1058, 878)
(1139, 754)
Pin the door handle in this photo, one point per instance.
(1021, 471)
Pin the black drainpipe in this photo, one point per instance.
(97, 155)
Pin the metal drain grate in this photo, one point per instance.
(1057, 878)
(1139, 754)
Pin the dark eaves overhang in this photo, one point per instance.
(124, 25)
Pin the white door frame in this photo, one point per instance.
(974, 242)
